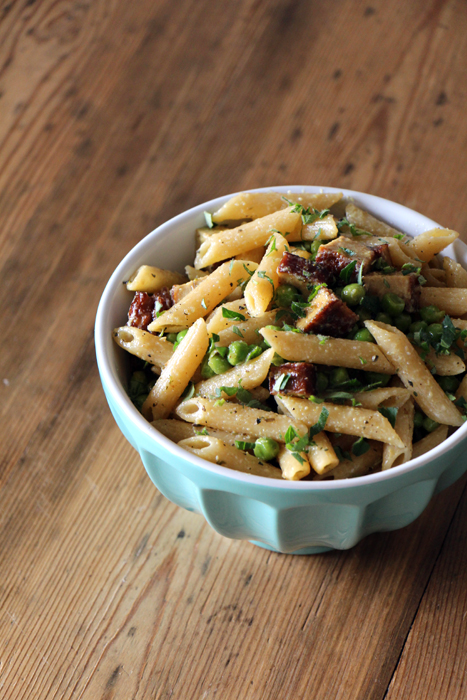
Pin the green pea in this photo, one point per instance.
(286, 294)
(435, 331)
(238, 351)
(171, 337)
(364, 314)
(384, 318)
(431, 314)
(307, 245)
(418, 419)
(274, 328)
(218, 364)
(206, 371)
(266, 449)
(277, 360)
(321, 382)
(418, 326)
(365, 335)
(314, 248)
(352, 294)
(449, 384)
(403, 322)
(339, 376)
(179, 338)
(429, 424)
(375, 377)
(392, 304)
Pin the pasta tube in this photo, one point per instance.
(176, 374)
(254, 205)
(150, 279)
(348, 420)
(293, 469)
(218, 452)
(207, 294)
(248, 375)
(414, 374)
(227, 244)
(148, 347)
(250, 421)
(322, 350)
(262, 285)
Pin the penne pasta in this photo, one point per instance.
(324, 229)
(293, 467)
(254, 205)
(356, 466)
(248, 376)
(222, 317)
(262, 285)
(452, 300)
(404, 425)
(414, 374)
(208, 293)
(365, 221)
(348, 420)
(232, 242)
(321, 454)
(148, 347)
(430, 441)
(429, 243)
(218, 452)
(150, 279)
(373, 399)
(444, 365)
(248, 331)
(456, 276)
(250, 421)
(324, 350)
(176, 374)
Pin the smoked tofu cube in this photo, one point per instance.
(333, 257)
(293, 379)
(300, 273)
(327, 315)
(406, 287)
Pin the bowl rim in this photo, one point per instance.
(110, 380)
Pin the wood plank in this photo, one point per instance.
(434, 660)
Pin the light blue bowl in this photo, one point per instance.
(293, 517)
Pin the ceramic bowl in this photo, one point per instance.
(284, 516)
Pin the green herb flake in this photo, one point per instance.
(390, 413)
(242, 445)
(360, 447)
(234, 315)
(347, 272)
(208, 219)
(280, 382)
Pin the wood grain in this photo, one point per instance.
(115, 116)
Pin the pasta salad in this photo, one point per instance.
(309, 340)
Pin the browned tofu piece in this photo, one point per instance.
(300, 273)
(298, 379)
(336, 255)
(328, 315)
(407, 287)
(144, 307)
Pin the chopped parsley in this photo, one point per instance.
(234, 315)
(208, 219)
(346, 273)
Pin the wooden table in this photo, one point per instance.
(115, 116)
